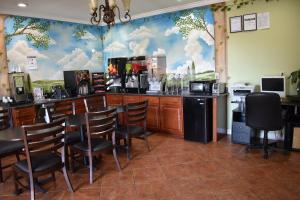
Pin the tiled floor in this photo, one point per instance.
(179, 170)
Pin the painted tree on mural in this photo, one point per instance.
(192, 20)
(35, 30)
(79, 31)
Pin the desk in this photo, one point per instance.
(241, 134)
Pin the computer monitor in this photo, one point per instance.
(275, 84)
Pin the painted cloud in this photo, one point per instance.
(114, 47)
(17, 55)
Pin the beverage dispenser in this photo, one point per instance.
(19, 86)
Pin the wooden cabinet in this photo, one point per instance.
(171, 118)
(131, 99)
(153, 119)
(24, 116)
(114, 99)
(164, 113)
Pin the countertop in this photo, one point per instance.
(46, 101)
(50, 101)
(170, 95)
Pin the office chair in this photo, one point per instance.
(263, 112)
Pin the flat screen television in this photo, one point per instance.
(275, 84)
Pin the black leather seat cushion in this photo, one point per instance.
(40, 163)
(133, 130)
(73, 137)
(97, 145)
(10, 147)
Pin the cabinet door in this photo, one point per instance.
(153, 117)
(131, 99)
(24, 116)
(113, 100)
(171, 119)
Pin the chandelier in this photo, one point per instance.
(108, 11)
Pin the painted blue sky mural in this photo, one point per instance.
(57, 45)
(184, 37)
(164, 35)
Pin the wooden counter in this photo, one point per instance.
(27, 113)
(165, 112)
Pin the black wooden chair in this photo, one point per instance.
(42, 142)
(100, 137)
(136, 123)
(263, 112)
(7, 148)
(73, 134)
(94, 103)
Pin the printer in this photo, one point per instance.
(238, 93)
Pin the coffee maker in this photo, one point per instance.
(77, 82)
(19, 86)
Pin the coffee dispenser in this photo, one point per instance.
(19, 86)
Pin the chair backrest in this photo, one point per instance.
(263, 111)
(136, 113)
(44, 138)
(101, 124)
(64, 107)
(61, 109)
(94, 103)
(4, 119)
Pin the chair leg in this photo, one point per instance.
(1, 174)
(91, 168)
(18, 156)
(128, 148)
(53, 176)
(72, 160)
(31, 182)
(147, 143)
(266, 145)
(116, 158)
(67, 179)
(15, 176)
(67, 155)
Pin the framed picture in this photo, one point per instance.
(236, 24)
(250, 22)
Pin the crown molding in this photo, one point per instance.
(177, 8)
(138, 16)
(43, 16)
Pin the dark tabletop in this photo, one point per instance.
(11, 134)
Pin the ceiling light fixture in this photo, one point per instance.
(22, 5)
(108, 11)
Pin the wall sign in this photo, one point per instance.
(250, 22)
(263, 20)
(236, 24)
(32, 63)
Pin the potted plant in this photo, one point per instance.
(295, 79)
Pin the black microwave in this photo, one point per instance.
(201, 87)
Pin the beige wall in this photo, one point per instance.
(265, 52)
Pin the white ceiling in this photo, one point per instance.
(78, 11)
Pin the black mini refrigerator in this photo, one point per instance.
(197, 119)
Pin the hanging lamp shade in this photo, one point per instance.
(112, 3)
(126, 4)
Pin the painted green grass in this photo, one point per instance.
(46, 84)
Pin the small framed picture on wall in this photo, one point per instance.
(236, 24)
(250, 22)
